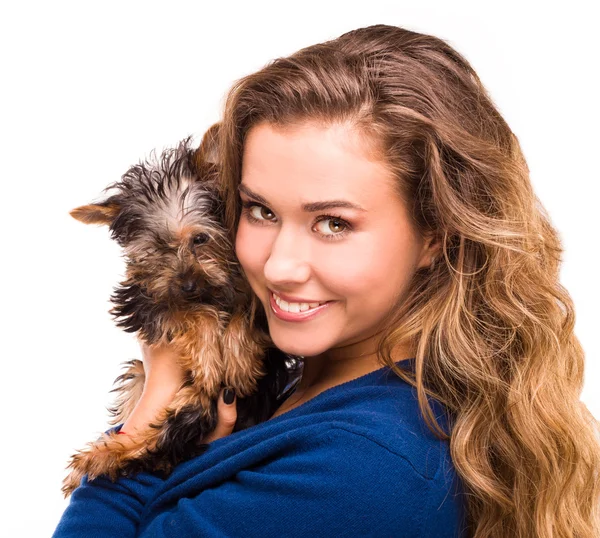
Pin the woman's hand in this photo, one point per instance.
(163, 372)
(227, 415)
(163, 378)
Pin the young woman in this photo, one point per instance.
(384, 217)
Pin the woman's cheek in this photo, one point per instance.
(248, 249)
(355, 261)
(240, 243)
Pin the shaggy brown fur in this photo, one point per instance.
(183, 287)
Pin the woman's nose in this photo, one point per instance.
(288, 261)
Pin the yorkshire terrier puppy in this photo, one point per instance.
(183, 287)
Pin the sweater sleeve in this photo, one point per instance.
(105, 509)
(339, 484)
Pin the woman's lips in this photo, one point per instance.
(297, 316)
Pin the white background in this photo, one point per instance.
(89, 88)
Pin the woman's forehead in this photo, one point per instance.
(337, 137)
(315, 161)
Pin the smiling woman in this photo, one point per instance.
(382, 213)
(453, 242)
(294, 254)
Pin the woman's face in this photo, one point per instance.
(357, 258)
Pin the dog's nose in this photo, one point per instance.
(188, 286)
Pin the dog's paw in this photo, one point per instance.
(109, 455)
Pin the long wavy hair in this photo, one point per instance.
(491, 324)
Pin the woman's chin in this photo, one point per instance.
(291, 347)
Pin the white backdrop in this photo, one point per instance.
(89, 88)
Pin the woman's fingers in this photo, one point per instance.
(227, 415)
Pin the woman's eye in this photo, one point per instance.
(260, 212)
(330, 226)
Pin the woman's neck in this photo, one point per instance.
(341, 364)
(337, 366)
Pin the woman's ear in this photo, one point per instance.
(431, 250)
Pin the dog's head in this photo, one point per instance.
(166, 214)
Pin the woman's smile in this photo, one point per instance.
(301, 311)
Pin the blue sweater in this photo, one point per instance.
(356, 460)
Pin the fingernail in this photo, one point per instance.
(228, 396)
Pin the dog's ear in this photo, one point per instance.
(99, 213)
(208, 151)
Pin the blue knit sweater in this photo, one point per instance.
(356, 460)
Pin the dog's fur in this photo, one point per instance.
(185, 288)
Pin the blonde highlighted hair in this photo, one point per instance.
(491, 323)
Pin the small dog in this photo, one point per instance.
(183, 287)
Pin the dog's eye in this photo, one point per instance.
(200, 239)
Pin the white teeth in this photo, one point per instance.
(293, 307)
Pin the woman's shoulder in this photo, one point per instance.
(350, 454)
(379, 407)
(377, 412)
(361, 443)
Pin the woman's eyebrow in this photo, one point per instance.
(310, 207)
